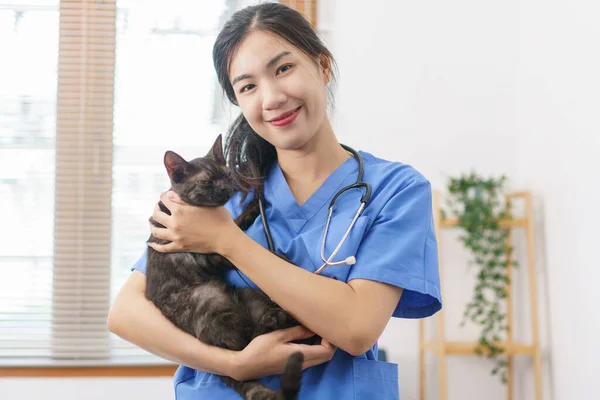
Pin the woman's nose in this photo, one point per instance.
(273, 97)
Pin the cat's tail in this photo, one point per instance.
(291, 379)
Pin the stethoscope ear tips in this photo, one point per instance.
(350, 260)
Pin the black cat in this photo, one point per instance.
(190, 288)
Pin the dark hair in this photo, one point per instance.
(249, 155)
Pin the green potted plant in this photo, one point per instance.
(478, 204)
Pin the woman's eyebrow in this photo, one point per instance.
(270, 64)
(277, 58)
(240, 78)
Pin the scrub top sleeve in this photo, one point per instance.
(400, 249)
(140, 264)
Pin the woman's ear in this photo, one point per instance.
(325, 64)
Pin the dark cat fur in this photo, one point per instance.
(190, 288)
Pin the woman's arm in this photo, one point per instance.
(351, 315)
(137, 320)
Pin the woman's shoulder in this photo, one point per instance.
(391, 176)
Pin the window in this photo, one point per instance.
(91, 97)
(27, 167)
(165, 94)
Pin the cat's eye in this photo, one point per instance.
(204, 182)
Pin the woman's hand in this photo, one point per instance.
(189, 228)
(267, 354)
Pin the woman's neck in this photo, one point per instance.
(307, 168)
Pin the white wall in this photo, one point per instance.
(559, 147)
(428, 82)
(447, 86)
(86, 388)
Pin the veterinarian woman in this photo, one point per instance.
(273, 66)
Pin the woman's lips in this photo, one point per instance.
(286, 118)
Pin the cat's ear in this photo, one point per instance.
(217, 150)
(176, 166)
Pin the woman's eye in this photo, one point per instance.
(247, 87)
(284, 68)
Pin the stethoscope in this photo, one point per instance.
(359, 184)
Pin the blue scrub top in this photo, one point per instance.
(393, 241)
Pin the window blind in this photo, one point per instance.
(92, 93)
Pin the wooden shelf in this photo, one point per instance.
(508, 223)
(468, 348)
(443, 348)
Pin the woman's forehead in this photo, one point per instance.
(256, 50)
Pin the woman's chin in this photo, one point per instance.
(293, 141)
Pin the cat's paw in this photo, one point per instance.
(273, 319)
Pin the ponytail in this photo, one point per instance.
(249, 156)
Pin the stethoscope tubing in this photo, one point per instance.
(359, 184)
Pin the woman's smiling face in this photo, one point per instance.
(280, 90)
